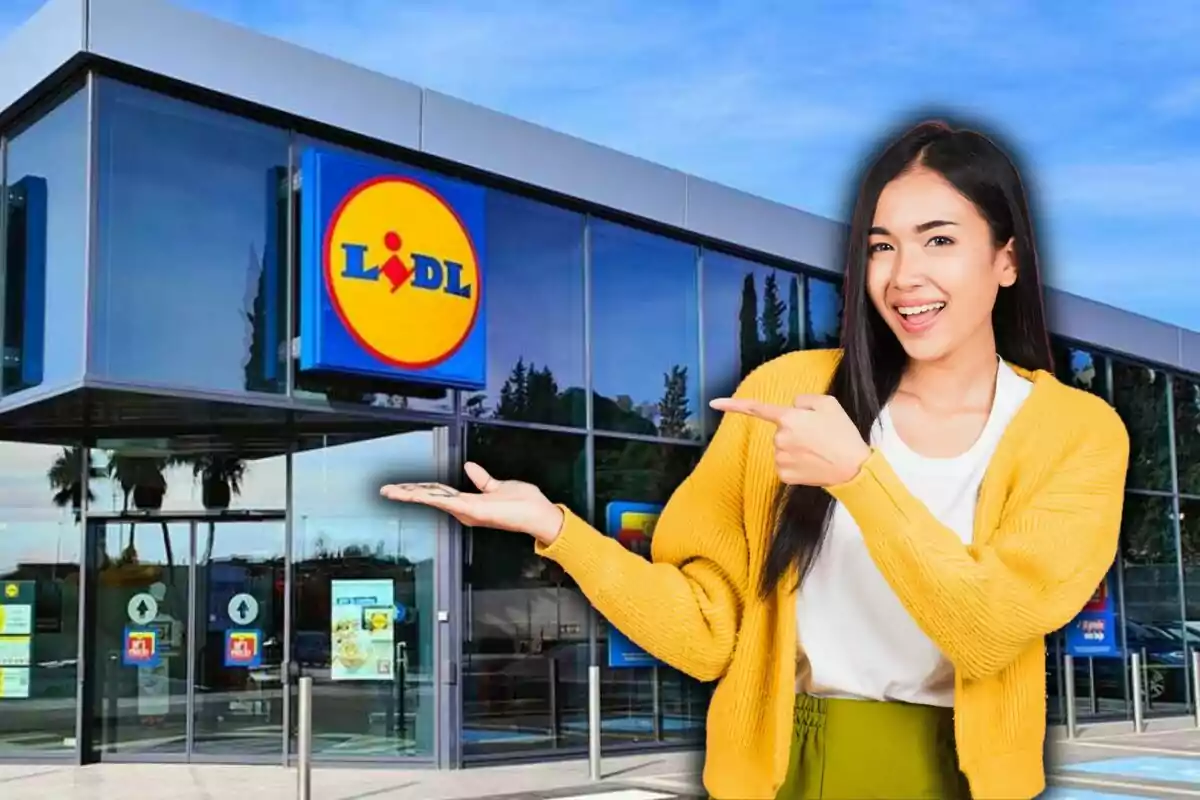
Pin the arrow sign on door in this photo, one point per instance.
(243, 609)
(142, 608)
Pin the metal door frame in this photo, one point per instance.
(193, 520)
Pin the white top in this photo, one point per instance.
(859, 640)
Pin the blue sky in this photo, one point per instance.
(781, 99)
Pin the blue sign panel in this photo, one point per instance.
(391, 272)
(1093, 633)
(631, 524)
(27, 199)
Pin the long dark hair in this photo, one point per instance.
(873, 360)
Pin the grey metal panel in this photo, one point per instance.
(760, 224)
(191, 47)
(1112, 328)
(504, 145)
(1189, 350)
(199, 50)
(47, 40)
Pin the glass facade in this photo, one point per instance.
(45, 224)
(187, 245)
(203, 488)
(1156, 599)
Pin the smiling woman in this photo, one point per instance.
(870, 552)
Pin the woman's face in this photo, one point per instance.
(933, 271)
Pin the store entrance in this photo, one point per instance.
(186, 636)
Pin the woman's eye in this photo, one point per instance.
(878, 247)
(941, 240)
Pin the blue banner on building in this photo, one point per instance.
(1094, 633)
(631, 524)
(391, 272)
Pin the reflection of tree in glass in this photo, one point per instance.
(773, 310)
(220, 479)
(793, 335)
(640, 472)
(1189, 523)
(1187, 435)
(673, 411)
(1145, 526)
(554, 462)
(1151, 582)
(531, 394)
(143, 487)
(761, 332)
(1140, 397)
(263, 358)
(749, 345)
(824, 318)
(66, 479)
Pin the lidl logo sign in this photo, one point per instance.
(392, 279)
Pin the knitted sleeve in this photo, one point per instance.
(684, 605)
(983, 604)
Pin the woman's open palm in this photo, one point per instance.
(507, 505)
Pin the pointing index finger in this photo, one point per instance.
(764, 411)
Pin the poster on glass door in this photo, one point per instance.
(362, 636)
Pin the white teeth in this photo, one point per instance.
(908, 311)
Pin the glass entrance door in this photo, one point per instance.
(186, 641)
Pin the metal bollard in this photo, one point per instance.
(1069, 687)
(1136, 675)
(1196, 684)
(304, 741)
(594, 722)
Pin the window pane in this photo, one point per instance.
(535, 360)
(525, 656)
(1189, 523)
(150, 475)
(1140, 396)
(1080, 368)
(645, 333)
(1101, 686)
(752, 313)
(1187, 434)
(823, 320)
(349, 542)
(41, 491)
(1152, 595)
(43, 342)
(190, 289)
(641, 472)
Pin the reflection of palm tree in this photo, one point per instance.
(66, 478)
(143, 486)
(220, 479)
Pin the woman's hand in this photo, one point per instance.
(507, 505)
(816, 443)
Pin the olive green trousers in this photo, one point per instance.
(863, 750)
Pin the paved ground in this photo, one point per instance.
(1110, 762)
(664, 776)
(1104, 762)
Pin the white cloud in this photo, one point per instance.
(1150, 189)
(1181, 99)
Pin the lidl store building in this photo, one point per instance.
(245, 284)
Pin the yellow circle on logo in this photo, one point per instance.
(11, 590)
(402, 272)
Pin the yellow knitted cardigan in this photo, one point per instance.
(1046, 527)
